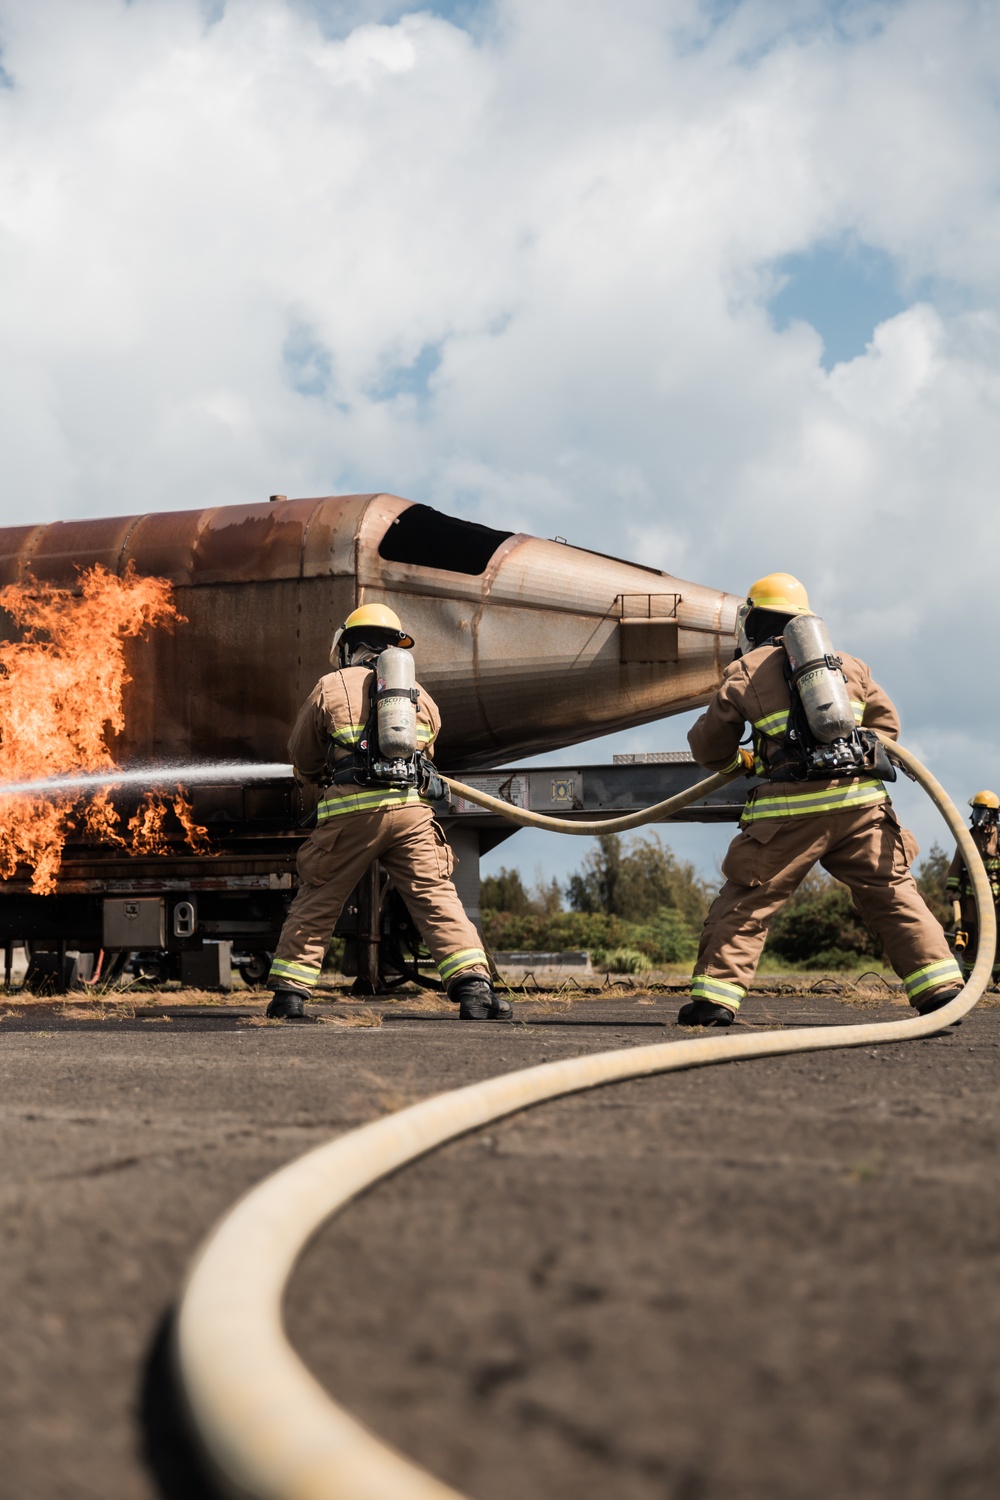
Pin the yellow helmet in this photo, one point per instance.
(985, 799)
(380, 620)
(780, 594)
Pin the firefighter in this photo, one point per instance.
(358, 822)
(844, 821)
(983, 826)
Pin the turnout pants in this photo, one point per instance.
(413, 849)
(970, 923)
(867, 850)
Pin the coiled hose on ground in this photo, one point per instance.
(269, 1429)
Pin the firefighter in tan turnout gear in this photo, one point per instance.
(822, 800)
(958, 887)
(358, 736)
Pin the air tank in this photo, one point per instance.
(396, 708)
(820, 682)
(527, 645)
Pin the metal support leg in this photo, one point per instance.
(369, 911)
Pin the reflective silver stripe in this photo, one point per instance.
(773, 724)
(347, 734)
(350, 734)
(338, 807)
(284, 968)
(465, 958)
(930, 976)
(799, 804)
(718, 991)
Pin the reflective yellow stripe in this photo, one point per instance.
(465, 958)
(734, 765)
(718, 991)
(370, 801)
(930, 976)
(349, 735)
(284, 968)
(801, 804)
(859, 710)
(772, 724)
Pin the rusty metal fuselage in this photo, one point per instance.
(543, 647)
(526, 645)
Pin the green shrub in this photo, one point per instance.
(621, 960)
(531, 931)
(667, 938)
(819, 923)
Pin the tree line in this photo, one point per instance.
(635, 905)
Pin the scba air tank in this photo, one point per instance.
(396, 702)
(819, 679)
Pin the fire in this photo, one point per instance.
(61, 695)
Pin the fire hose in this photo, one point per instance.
(269, 1429)
(655, 814)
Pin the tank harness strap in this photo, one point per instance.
(832, 663)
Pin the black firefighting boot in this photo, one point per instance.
(934, 1001)
(478, 1000)
(287, 1005)
(705, 1013)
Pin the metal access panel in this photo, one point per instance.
(649, 641)
(135, 922)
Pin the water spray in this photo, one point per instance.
(162, 775)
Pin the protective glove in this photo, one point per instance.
(430, 784)
(745, 758)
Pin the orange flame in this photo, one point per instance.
(61, 693)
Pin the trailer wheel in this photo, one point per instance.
(255, 967)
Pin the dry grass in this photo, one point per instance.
(89, 1010)
(358, 1018)
(157, 1020)
(264, 1021)
(430, 1001)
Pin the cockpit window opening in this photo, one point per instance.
(424, 538)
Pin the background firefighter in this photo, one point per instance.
(360, 820)
(845, 822)
(958, 887)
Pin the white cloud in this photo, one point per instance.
(522, 272)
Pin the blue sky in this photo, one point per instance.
(843, 291)
(727, 273)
